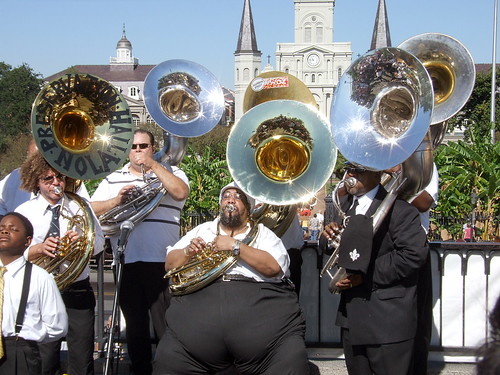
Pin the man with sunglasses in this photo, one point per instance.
(249, 316)
(143, 289)
(378, 309)
(11, 194)
(50, 211)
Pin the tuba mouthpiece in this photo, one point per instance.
(229, 208)
(351, 182)
(58, 190)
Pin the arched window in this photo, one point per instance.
(237, 74)
(133, 92)
(307, 34)
(313, 78)
(246, 74)
(319, 33)
(255, 73)
(135, 120)
(339, 73)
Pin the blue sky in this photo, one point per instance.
(50, 35)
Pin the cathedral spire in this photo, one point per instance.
(247, 41)
(381, 36)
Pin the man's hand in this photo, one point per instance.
(331, 230)
(350, 281)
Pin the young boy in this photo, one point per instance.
(44, 318)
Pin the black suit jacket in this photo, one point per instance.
(383, 309)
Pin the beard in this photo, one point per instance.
(231, 219)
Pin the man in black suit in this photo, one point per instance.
(378, 307)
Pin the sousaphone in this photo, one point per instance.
(83, 128)
(183, 98)
(451, 69)
(381, 109)
(281, 152)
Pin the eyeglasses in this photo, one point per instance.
(236, 196)
(355, 170)
(50, 179)
(142, 146)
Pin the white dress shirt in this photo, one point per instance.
(45, 318)
(36, 211)
(265, 240)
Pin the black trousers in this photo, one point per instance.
(258, 327)
(383, 359)
(143, 294)
(79, 300)
(21, 358)
(424, 319)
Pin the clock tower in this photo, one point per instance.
(314, 57)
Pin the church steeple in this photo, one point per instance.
(381, 36)
(247, 58)
(247, 41)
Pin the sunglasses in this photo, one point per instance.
(142, 146)
(236, 196)
(355, 170)
(50, 179)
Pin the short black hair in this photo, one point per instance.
(144, 131)
(28, 227)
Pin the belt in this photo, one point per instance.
(16, 338)
(237, 278)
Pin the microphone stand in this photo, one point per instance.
(112, 327)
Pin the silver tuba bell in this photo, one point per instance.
(183, 98)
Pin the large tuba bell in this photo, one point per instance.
(281, 152)
(83, 128)
(450, 67)
(183, 98)
(267, 86)
(381, 108)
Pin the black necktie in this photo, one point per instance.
(54, 223)
(352, 211)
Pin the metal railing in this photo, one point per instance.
(466, 285)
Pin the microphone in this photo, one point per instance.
(125, 230)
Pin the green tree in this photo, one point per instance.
(462, 168)
(207, 174)
(18, 89)
(475, 116)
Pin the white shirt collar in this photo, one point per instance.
(366, 200)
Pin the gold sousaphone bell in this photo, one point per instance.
(183, 98)
(451, 69)
(82, 126)
(281, 152)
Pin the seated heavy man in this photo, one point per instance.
(249, 317)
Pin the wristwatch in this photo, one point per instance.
(236, 248)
